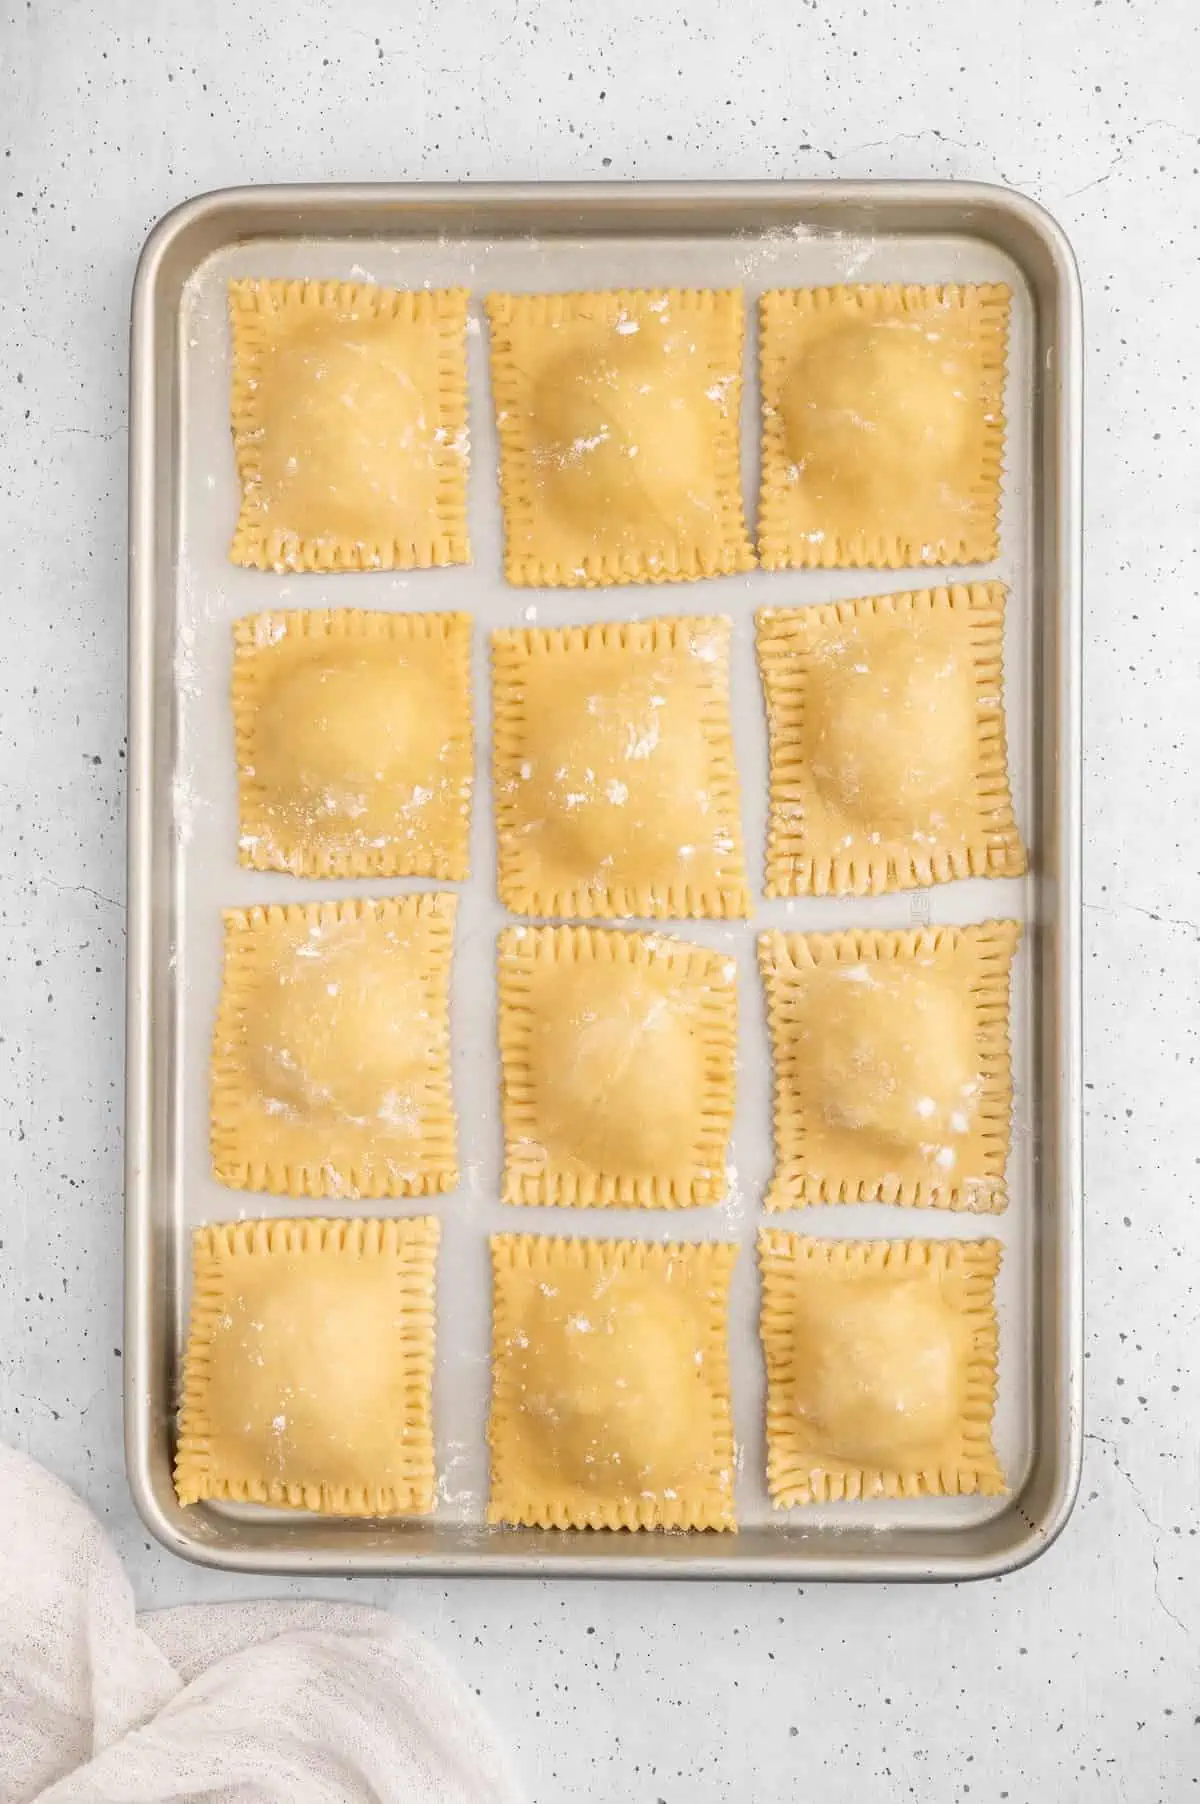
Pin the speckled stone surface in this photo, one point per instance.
(1076, 1678)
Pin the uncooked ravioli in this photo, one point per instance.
(354, 742)
(883, 425)
(617, 415)
(308, 1370)
(616, 791)
(610, 1384)
(881, 1364)
(893, 1078)
(618, 1053)
(331, 1055)
(888, 742)
(349, 425)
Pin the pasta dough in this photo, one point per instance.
(308, 1371)
(610, 1394)
(893, 1072)
(354, 743)
(889, 761)
(331, 1065)
(349, 426)
(881, 1368)
(883, 425)
(616, 792)
(618, 423)
(618, 1053)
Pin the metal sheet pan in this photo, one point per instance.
(182, 866)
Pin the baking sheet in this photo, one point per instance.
(210, 593)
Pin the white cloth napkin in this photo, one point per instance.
(260, 1703)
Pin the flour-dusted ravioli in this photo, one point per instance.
(354, 743)
(616, 790)
(349, 425)
(883, 425)
(331, 1055)
(610, 1384)
(618, 1052)
(889, 757)
(618, 423)
(307, 1378)
(881, 1367)
(893, 1068)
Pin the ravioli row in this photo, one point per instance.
(308, 1379)
(331, 1060)
(617, 416)
(613, 761)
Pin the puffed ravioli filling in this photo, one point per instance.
(354, 743)
(308, 1371)
(616, 790)
(893, 1069)
(610, 1398)
(331, 1050)
(618, 423)
(349, 425)
(881, 1368)
(618, 1055)
(884, 425)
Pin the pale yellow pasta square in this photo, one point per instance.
(883, 425)
(888, 741)
(309, 1365)
(893, 1067)
(354, 743)
(618, 1054)
(331, 1054)
(617, 416)
(349, 425)
(610, 1384)
(615, 784)
(881, 1368)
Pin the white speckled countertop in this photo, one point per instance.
(1077, 1677)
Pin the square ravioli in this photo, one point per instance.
(883, 425)
(617, 416)
(616, 789)
(610, 1384)
(349, 426)
(881, 1367)
(618, 1052)
(889, 755)
(331, 1055)
(893, 1070)
(354, 745)
(309, 1365)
